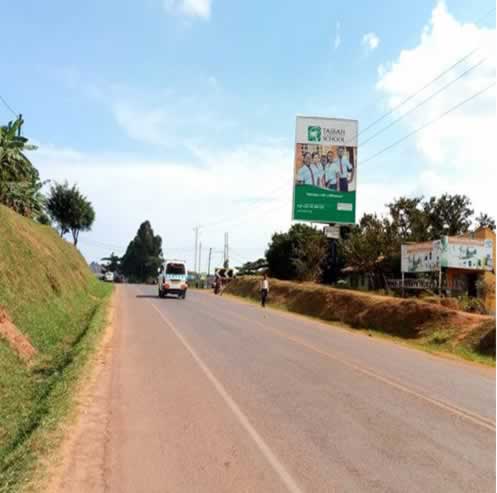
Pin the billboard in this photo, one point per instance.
(421, 257)
(466, 253)
(453, 252)
(325, 170)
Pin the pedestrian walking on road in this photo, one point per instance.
(264, 290)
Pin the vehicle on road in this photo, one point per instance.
(172, 278)
(109, 276)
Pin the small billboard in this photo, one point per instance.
(455, 252)
(325, 170)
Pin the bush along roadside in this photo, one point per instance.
(425, 325)
(35, 396)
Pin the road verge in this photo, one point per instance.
(428, 326)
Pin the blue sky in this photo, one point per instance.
(199, 97)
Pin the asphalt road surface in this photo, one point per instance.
(212, 394)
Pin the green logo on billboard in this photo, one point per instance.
(314, 134)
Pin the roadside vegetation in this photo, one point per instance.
(52, 309)
(372, 247)
(429, 326)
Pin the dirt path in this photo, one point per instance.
(80, 466)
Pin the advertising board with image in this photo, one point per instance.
(467, 253)
(455, 252)
(421, 257)
(325, 170)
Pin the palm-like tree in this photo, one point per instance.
(19, 180)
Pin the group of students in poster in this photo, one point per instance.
(326, 172)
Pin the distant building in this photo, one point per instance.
(465, 265)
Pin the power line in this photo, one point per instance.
(391, 111)
(419, 129)
(7, 105)
(419, 91)
(427, 124)
(443, 88)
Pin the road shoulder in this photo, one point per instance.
(76, 463)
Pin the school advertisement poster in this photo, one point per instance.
(325, 170)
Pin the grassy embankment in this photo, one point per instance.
(54, 306)
(428, 326)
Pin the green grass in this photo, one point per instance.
(51, 296)
(437, 343)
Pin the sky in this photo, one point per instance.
(182, 112)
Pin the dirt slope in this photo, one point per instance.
(406, 318)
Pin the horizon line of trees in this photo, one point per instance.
(142, 258)
(372, 246)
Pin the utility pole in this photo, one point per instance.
(209, 264)
(200, 258)
(196, 228)
(226, 250)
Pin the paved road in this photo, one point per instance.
(212, 394)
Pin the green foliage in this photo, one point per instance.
(252, 268)
(112, 263)
(447, 215)
(44, 218)
(51, 296)
(471, 305)
(373, 247)
(20, 183)
(297, 254)
(143, 255)
(485, 221)
(409, 219)
(71, 210)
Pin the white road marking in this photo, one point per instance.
(278, 467)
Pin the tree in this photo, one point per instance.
(373, 247)
(71, 210)
(20, 183)
(252, 268)
(143, 255)
(112, 263)
(485, 221)
(409, 219)
(58, 205)
(297, 254)
(82, 216)
(449, 215)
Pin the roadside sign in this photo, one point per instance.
(332, 231)
(325, 170)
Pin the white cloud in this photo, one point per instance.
(458, 151)
(192, 8)
(338, 37)
(370, 42)
(141, 124)
(248, 188)
(168, 119)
